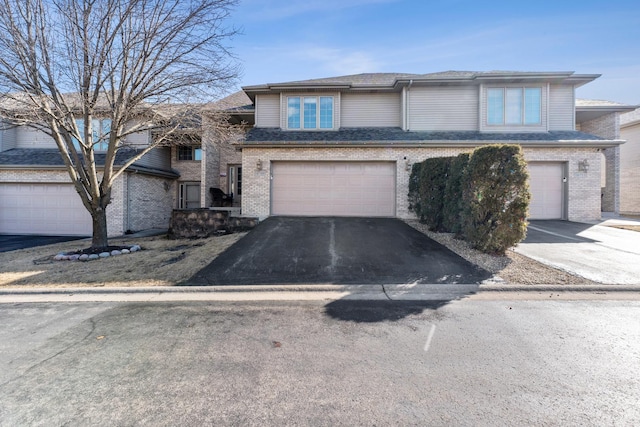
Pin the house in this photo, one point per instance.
(345, 145)
(630, 163)
(37, 197)
(341, 146)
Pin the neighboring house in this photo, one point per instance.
(630, 163)
(345, 145)
(602, 118)
(37, 197)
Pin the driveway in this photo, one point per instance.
(12, 242)
(283, 250)
(597, 252)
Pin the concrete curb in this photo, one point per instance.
(318, 292)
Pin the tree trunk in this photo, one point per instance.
(99, 217)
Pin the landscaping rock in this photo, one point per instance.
(125, 251)
(74, 257)
(93, 256)
(116, 253)
(135, 248)
(83, 257)
(104, 254)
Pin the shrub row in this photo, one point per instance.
(483, 197)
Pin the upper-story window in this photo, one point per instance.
(186, 152)
(310, 112)
(514, 106)
(100, 129)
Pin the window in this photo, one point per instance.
(235, 180)
(101, 128)
(189, 197)
(189, 153)
(514, 106)
(310, 112)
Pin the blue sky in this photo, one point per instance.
(284, 40)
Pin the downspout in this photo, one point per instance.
(128, 206)
(407, 109)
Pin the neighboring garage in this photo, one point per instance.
(365, 189)
(547, 186)
(46, 209)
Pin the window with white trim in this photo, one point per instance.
(514, 106)
(101, 128)
(310, 112)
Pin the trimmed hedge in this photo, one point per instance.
(483, 196)
(426, 191)
(452, 207)
(496, 198)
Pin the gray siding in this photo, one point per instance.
(158, 158)
(7, 139)
(542, 127)
(443, 108)
(630, 170)
(561, 107)
(138, 139)
(31, 138)
(370, 110)
(268, 111)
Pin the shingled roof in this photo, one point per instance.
(46, 157)
(375, 136)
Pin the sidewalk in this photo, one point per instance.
(432, 292)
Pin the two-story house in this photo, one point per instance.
(345, 145)
(37, 197)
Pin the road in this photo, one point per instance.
(469, 362)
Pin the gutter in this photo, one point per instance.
(437, 144)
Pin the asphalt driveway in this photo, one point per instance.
(596, 252)
(284, 250)
(12, 242)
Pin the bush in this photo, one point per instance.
(495, 198)
(426, 191)
(452, 205)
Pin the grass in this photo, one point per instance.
(626, 227)
(162, 262)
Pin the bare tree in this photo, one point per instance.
(128, 61)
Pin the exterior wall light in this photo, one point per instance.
(583, 166)
(407, 164)
(259, 165)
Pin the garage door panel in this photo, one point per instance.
(547, 190)
(52, 209)
(333, 188)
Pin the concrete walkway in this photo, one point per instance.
(594, 251)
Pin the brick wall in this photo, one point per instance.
(150, 201)
(583, 188)
(608, 126)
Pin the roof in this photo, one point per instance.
(234, 102)
(393, 80)
(377, 136)
(47, 157)
(630, 118)
(590, 109)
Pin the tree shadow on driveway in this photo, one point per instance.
(378, 311)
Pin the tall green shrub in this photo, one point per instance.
(426, 190)
(496, 198)
(452, 205)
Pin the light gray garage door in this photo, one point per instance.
(333, 189)
(547, 190)
(47, 209)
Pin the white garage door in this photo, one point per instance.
(48, 209)
(333, 188)
(547, 190)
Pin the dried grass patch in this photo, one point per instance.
(162, 262)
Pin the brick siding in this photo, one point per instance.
(583, 188)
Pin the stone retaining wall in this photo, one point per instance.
(205, 222)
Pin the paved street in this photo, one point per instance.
(470, 362)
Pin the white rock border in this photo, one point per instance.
(84, 257)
